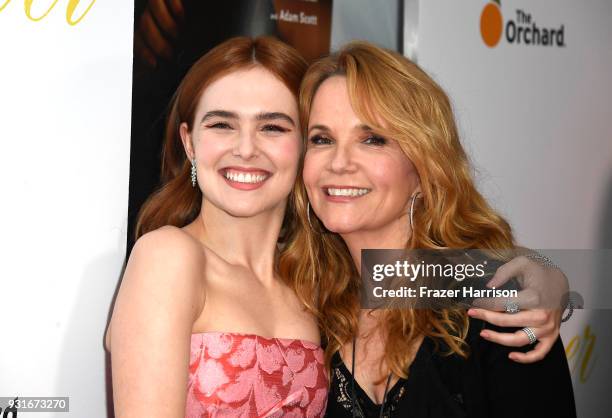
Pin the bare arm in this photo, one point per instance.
(159, 299)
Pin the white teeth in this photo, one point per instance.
(347, 192)
(245, 178)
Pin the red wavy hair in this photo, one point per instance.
(176, 202)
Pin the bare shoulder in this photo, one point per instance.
(169, 242)
(164, 273)
(160, 297)
(170, 258)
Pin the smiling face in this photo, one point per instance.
(246, 142)
(356, 180)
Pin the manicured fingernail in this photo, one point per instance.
(511, 356)
(484, 334)
(472, 312)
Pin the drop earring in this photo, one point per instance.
(193, 173)
(308, 215)
(414, 196)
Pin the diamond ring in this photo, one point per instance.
(530, 334)
(511, 307)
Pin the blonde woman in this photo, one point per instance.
(380, 133)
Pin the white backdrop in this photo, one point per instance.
(65, 93)
(536, 121)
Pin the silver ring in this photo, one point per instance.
(530, 334)
(511, 307)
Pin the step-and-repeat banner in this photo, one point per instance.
(530, 82)
(532, 89)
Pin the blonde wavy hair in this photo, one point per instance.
(396, 98)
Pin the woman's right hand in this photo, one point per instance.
(159, 299)
(541, 303)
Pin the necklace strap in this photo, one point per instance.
(354, 401)
(382, 406)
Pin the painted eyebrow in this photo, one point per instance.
(265, 116)
(318, 128)
(364, 127)
(219, 113)
(324, 128)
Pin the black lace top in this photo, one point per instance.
(365, 407)
(487, 384)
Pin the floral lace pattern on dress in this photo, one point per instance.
(245, 375)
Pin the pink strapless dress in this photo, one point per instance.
(245, 375)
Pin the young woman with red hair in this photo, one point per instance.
(203, 324)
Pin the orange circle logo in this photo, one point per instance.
(491, 24)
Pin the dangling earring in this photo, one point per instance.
(414, 196)
(308, 215)
(193, 173)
